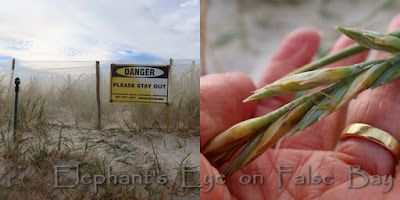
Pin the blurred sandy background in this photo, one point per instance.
(242, 35)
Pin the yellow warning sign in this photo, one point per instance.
(139, 83)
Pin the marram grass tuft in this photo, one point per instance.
(250, 138)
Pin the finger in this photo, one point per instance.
(394, 24)
(221, 105)
(324, 134)
(379, 108)
(296, 50)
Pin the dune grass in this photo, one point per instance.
(56, 124)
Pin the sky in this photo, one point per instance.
(77, 30)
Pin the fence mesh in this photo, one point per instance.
(65, 93)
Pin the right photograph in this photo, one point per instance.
(299, 99)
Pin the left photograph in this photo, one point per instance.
(100, 100)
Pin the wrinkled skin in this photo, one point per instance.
(318, 146)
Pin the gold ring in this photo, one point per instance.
(375, 135)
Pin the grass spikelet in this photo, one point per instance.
(373, 40)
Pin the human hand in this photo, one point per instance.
(311, 150)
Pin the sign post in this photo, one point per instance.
(139, 83)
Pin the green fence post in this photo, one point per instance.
(17, 82)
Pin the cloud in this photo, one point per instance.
(16, 44)
(180, 21)
(189, 3)
(99, 30)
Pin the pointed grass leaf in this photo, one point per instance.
(244, 130)
(260, 94)
(373, 40)
(235, 135)
(308, 80)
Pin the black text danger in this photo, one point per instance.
(139, 72)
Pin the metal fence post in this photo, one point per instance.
(17, 82)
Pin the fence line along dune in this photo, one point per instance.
(57, 117)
